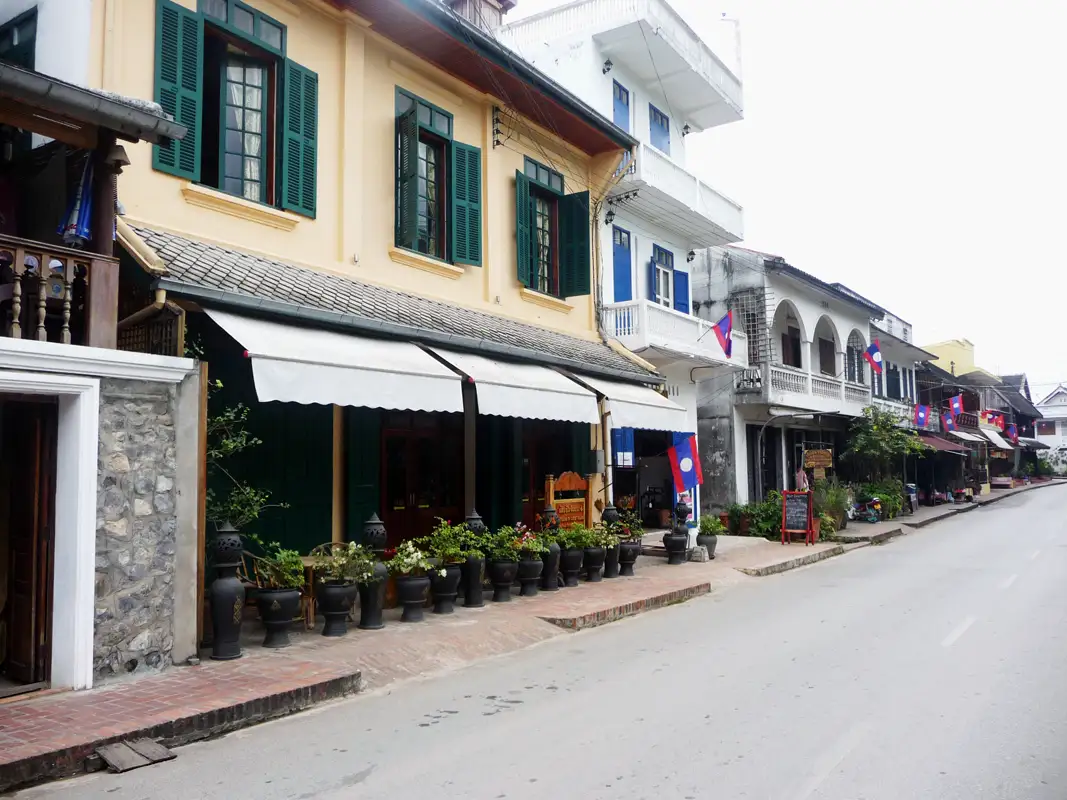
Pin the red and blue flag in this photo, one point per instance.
(948, 421)
(922, 414)
(685, 464)
(1013, 433)
(873, 354)
(723, 328)
(956, 404)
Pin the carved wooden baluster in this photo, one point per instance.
(17, 268)
(44, 269)
(68, 281)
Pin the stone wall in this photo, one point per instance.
(136, 528)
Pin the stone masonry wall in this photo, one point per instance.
(135, 528)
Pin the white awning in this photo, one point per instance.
(306, 365)
(633, 406)
(997, 440)
(966, 437)
(506, 389)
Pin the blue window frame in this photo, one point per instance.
(659, 129)
(621, 105)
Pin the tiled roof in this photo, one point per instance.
(205, 266)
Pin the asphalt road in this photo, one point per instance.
(932, 667)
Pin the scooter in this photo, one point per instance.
(871, 511)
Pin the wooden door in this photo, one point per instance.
(30, 447)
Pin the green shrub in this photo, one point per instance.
(710, 525)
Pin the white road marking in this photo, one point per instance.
(829, 760)
(1035, 554)
(951, 639)
(1007, 584)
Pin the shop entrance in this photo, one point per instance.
(28, 433)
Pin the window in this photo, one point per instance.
(621, 105)
(854, 360)
(791, 348)
(661, 277)
(827, 357)
(18, 39)
(438, 185)
(1045, 427)
(659, 129)
(252, 114)
(551, 233)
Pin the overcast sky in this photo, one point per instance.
(912, 149)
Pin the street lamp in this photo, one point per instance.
(775, 414)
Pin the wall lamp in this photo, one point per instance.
(690, 256)
(607, 66)
(609, 217)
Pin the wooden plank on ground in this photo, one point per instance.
(120, 757)
(153, 751)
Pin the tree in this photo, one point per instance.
(878, 444)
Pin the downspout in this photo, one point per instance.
(146, 312)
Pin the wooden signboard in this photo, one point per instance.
(815, 459)
(796, 516)
(571, 512)
(819, 473)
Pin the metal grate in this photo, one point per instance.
(752, 312)
(162, 334)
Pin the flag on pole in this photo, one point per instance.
(922, 414)
(956, 404)
(1013, 433)
(873, 354)
(685, 464)
(948, 421)
(723, 328)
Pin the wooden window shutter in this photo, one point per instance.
(681, 291)
(466, 204)
(574, 244)
(407, 180)
(179, 86)
(523, 228)
(300, 124)
(652, 280)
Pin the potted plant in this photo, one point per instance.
(531, 547)
(279, 577)
(472, 569)
(572, 543)
(601, 540)
(409, 567)
(676, 541)
(370, 576)
(738, 519)
(549, 520)
(630, 534)
(445, 546)
(502, 554)
(825, 525)
(335, 584)
(708, 533)
(610, 520)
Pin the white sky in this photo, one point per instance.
(911, 149)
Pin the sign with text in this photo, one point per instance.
(571, 512)
(796, 516)
(814, 459)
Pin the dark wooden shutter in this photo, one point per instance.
(652, 280)
(574, 244)
(466, 204)
(523, 235)
(681, 291)
(179, 86)
(407, 180)
(300, 125)
(827, 357)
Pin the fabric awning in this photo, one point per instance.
(633, 406)
(998, 441)
(1033, 444)
(307, 365)
(963, 436)
(943, 445)
(507, 389)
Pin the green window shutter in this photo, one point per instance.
(466, 204)
(300, 126)
(574, 244)
(179, 86)
(523, 234)
(407, 182)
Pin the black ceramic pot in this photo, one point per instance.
(473, 572)
(444, 588)
(335, 601)
(372, 598)
(411, 593)
(550, 572)
(502, 575)
(709, 541)
(628, 553)
(611, 562)
(529, 574)
(675, 544)
(570, 564)
(277, 607)
(593, 563)
(227, 596)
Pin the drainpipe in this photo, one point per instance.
(146, 312)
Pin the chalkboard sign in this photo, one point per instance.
(796, 515)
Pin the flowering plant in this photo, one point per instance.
(503, 545)
(604, 535)
(629, 527)
(575, 537)
(343, 563)
(407, 559)
(529, 541)
(446, 542)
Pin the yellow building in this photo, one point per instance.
(378, 233)
(957, 356)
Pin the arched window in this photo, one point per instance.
(854, 362)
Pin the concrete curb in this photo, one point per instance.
(793, 563)
(70, 761)
(876, 538)
(606, 615)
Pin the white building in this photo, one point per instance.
(1051, 429)
(639, 63)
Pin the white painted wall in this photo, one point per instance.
(63, 31)
(643, 235)
(811, 305)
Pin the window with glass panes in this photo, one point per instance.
(431, 128)
(546, 186)
(664, 260)
(243, 153)
(430, 206)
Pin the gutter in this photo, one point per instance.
(380, 328)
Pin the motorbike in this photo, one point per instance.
(869, 511)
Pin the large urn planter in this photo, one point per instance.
(277, 607)
(502, 575)
(593, 563)
(227, 596)
(709, 541)
(675, 544)
(611, 562)
(411, 593)
(473, 572)
(628, 553)
(444, 588)
(570, 564)
(529, 574)
(335, 602)
(372, 599)
(550, 571)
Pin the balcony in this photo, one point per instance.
(654, 44)
(676, 199)
(779, 385)
(664, 336)
(905, 409)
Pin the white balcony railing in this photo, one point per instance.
(905, 409)
(788, 379)
(640, 325)
(789, 386)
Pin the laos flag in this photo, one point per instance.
(1013, 434)
(956, 404)
(922, 413)
(723, 328)
(948, 421)
(685, 463)
(873, 354)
